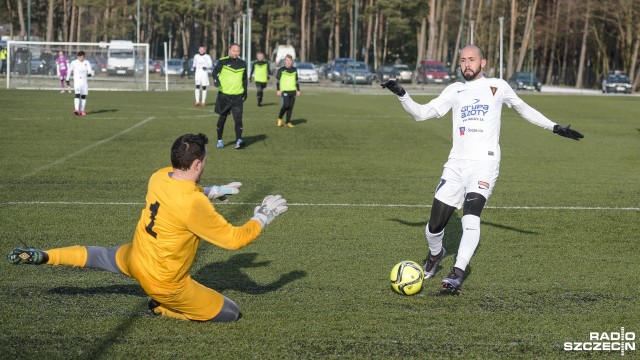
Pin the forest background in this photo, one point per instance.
(565, 42)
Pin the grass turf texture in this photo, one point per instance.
(360, 175)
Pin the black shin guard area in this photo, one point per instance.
(473, 204)
(440, 215)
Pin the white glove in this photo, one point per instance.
(221, 192)
(272, 206)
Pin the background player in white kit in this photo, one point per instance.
(202, 64)
(472, 169)
(81, 70)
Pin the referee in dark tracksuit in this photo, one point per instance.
(229, 75)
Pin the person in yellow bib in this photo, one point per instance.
(288, 88)
(229, 76)
(177, 215)
(260, 74)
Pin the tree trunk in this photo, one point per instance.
(634, 58)
(583, 49)
(336, 30)
(443, 49)
(376, 58)
(512, 37)
(491, 40)
(351, 35)
(369, 35)
(23, 29)
(422, 41)
(330, 47)
(79, 26)
(303, 32)
(459, 39)
(565, 59)
(49, 36)
(554, 41)
(433, 28)
(528, 27)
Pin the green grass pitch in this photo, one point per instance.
(558, 256)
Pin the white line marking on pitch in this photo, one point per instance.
(63, 159)
(334, 205)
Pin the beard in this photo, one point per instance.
(471, 77)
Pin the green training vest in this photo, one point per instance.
(260, 72)
(288, 81)
(231, 80)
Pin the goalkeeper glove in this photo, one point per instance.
(221, 192)
(272, 206)
(567, 132)
(394, 87)
(244, 96)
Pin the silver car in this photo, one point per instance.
(404, 73)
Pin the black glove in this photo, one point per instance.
(244, 96)
(216, 83)
(567, 132)
(393, 86)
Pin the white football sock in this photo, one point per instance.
(204, 96)
(469, 242)
(76, 104)
(197, 95)
(83, 102)
(434, 240)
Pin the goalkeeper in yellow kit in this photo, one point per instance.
(178, 213)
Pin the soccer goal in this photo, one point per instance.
(118, 65)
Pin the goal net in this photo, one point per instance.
(118, 65)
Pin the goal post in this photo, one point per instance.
(118, 65)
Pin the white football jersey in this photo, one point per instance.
(477, 110)
(80, 70)
(202, 63)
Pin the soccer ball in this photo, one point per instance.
(406, 278)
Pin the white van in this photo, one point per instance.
(121, 58)
(279, 54)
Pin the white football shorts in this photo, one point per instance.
(81, 87)
(460, 177)
(202, 78)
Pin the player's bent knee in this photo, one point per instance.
(473, 204)
(229, 312)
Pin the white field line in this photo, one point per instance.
(89, 203)
(65, 158)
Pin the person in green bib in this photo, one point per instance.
(230, 79)
(288, 88)
(260, 74)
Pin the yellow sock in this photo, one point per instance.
(70, 256)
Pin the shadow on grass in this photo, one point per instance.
(227, 275)
(101, 111)
(132, 290)
(248, 140)
(298, 121)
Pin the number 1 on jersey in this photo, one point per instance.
(154, 211)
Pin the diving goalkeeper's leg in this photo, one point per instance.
(93, 257)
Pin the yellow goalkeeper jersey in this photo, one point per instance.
(177, 215)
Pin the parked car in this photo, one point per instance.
(616, 82)
(525, 81)
(405, 74)
(357, 72)
(44, 65)
(307, 72)
(174, 67)
(324, 70)
(432, 72)
(386, 72)
(337, 68)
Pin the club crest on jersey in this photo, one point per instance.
(461, 130)
(493, 90)
(483, 185)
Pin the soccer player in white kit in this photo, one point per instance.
(202, 64)
(471, 171)
(81, 70)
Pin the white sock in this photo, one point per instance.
(197, 95)
(76, 103)
(83, 102)
(469, 242)
(204, 96)
(434, 240)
